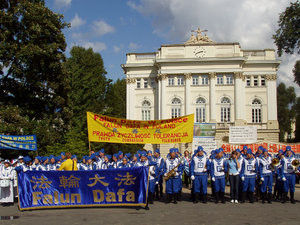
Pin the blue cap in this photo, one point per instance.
(128, 155)
(172, 150)
(249, 151)
(108, 156)
(62, 153)
(218, 150)
(136, 155)
(280, 151)
(120, 153)
(200, 148)
(288, 148)
(157, 151)
(143, 153)
(27, 159)
(115, 155)
(149, 152)
(265, 150)
(260, 147)
(74, 157)
(238, 150)
(245, 147)
(102, 150)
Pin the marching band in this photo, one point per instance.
(247, 171)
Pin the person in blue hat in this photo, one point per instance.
(106, 163)
(200, 166)
(143, 160)
(63, 157)
(114, 163)
(135, 160)
(160, 165)
(248, 175)
(6, 189)
(153, 171)
(266, 176)
(218, 168)
(52, 165)
(172, 185)
(278, 187)
(124, 163)
(288, 175)
(150, 155)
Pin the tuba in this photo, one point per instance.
(275, 163)
(295, 164)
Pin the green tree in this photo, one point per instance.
(296, 108)
(287, 37)
(116, 99)
(32, 75)
(285, 113)
(88, 83)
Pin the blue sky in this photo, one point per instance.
(116, 27)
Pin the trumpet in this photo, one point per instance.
(295, 164)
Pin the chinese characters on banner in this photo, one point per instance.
(109, 129)
(111, 187)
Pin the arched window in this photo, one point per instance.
(176, 107)
(200, 110)
(146, 110)
(225, 109)
(256, 111)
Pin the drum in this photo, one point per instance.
(4, 183)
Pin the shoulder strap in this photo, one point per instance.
(73, 165)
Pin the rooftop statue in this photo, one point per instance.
(199, 38)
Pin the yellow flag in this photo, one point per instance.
(110, 129)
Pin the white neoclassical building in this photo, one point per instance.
(219, 82)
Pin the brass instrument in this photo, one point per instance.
(172, 172)
(275, 163)
(295, 164)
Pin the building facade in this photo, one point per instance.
(219, 82)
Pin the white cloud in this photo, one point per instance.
(249, 22)
(62, 3)
(133, 46)
(96, 46)
(77, 21)
(101, 28)
(117, 49)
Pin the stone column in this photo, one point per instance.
(130, 98)
(272, 101)
(239, 99)
(188, 103)
(162, 96)
(212, 98)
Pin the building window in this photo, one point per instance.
(256, 111)
(176, 108)
(180, 80)
(248, 81)
(195, 80)
(204, 79)
(138, 83)
(255, 80)
(220, 79)
(171, 81)
(145, 83)
(229, 79)
(262, 81)
(200, 110)
(225, 110)
(146, 110)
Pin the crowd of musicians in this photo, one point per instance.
(251, 175)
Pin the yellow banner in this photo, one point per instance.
(109, 129)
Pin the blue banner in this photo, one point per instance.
(62, 189)
(24, 142)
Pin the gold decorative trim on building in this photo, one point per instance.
(271, 77)
(212, 75)
(188, 76)
(130, 80)
(239, 75)
(162, 76)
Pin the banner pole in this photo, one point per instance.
(89, 148)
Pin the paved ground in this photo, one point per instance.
(185, 212)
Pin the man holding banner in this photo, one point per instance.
(69, 164)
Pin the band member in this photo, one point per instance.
(288, 175)
(199, 167)
(106, 163)
(172, 169)
(153, 169)
(266, 176)
(124, 163)
(144, 160)
(160, 164)
(6, 179)
(218, 169)
(52, 165)
(278, 187)
(248, 175)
